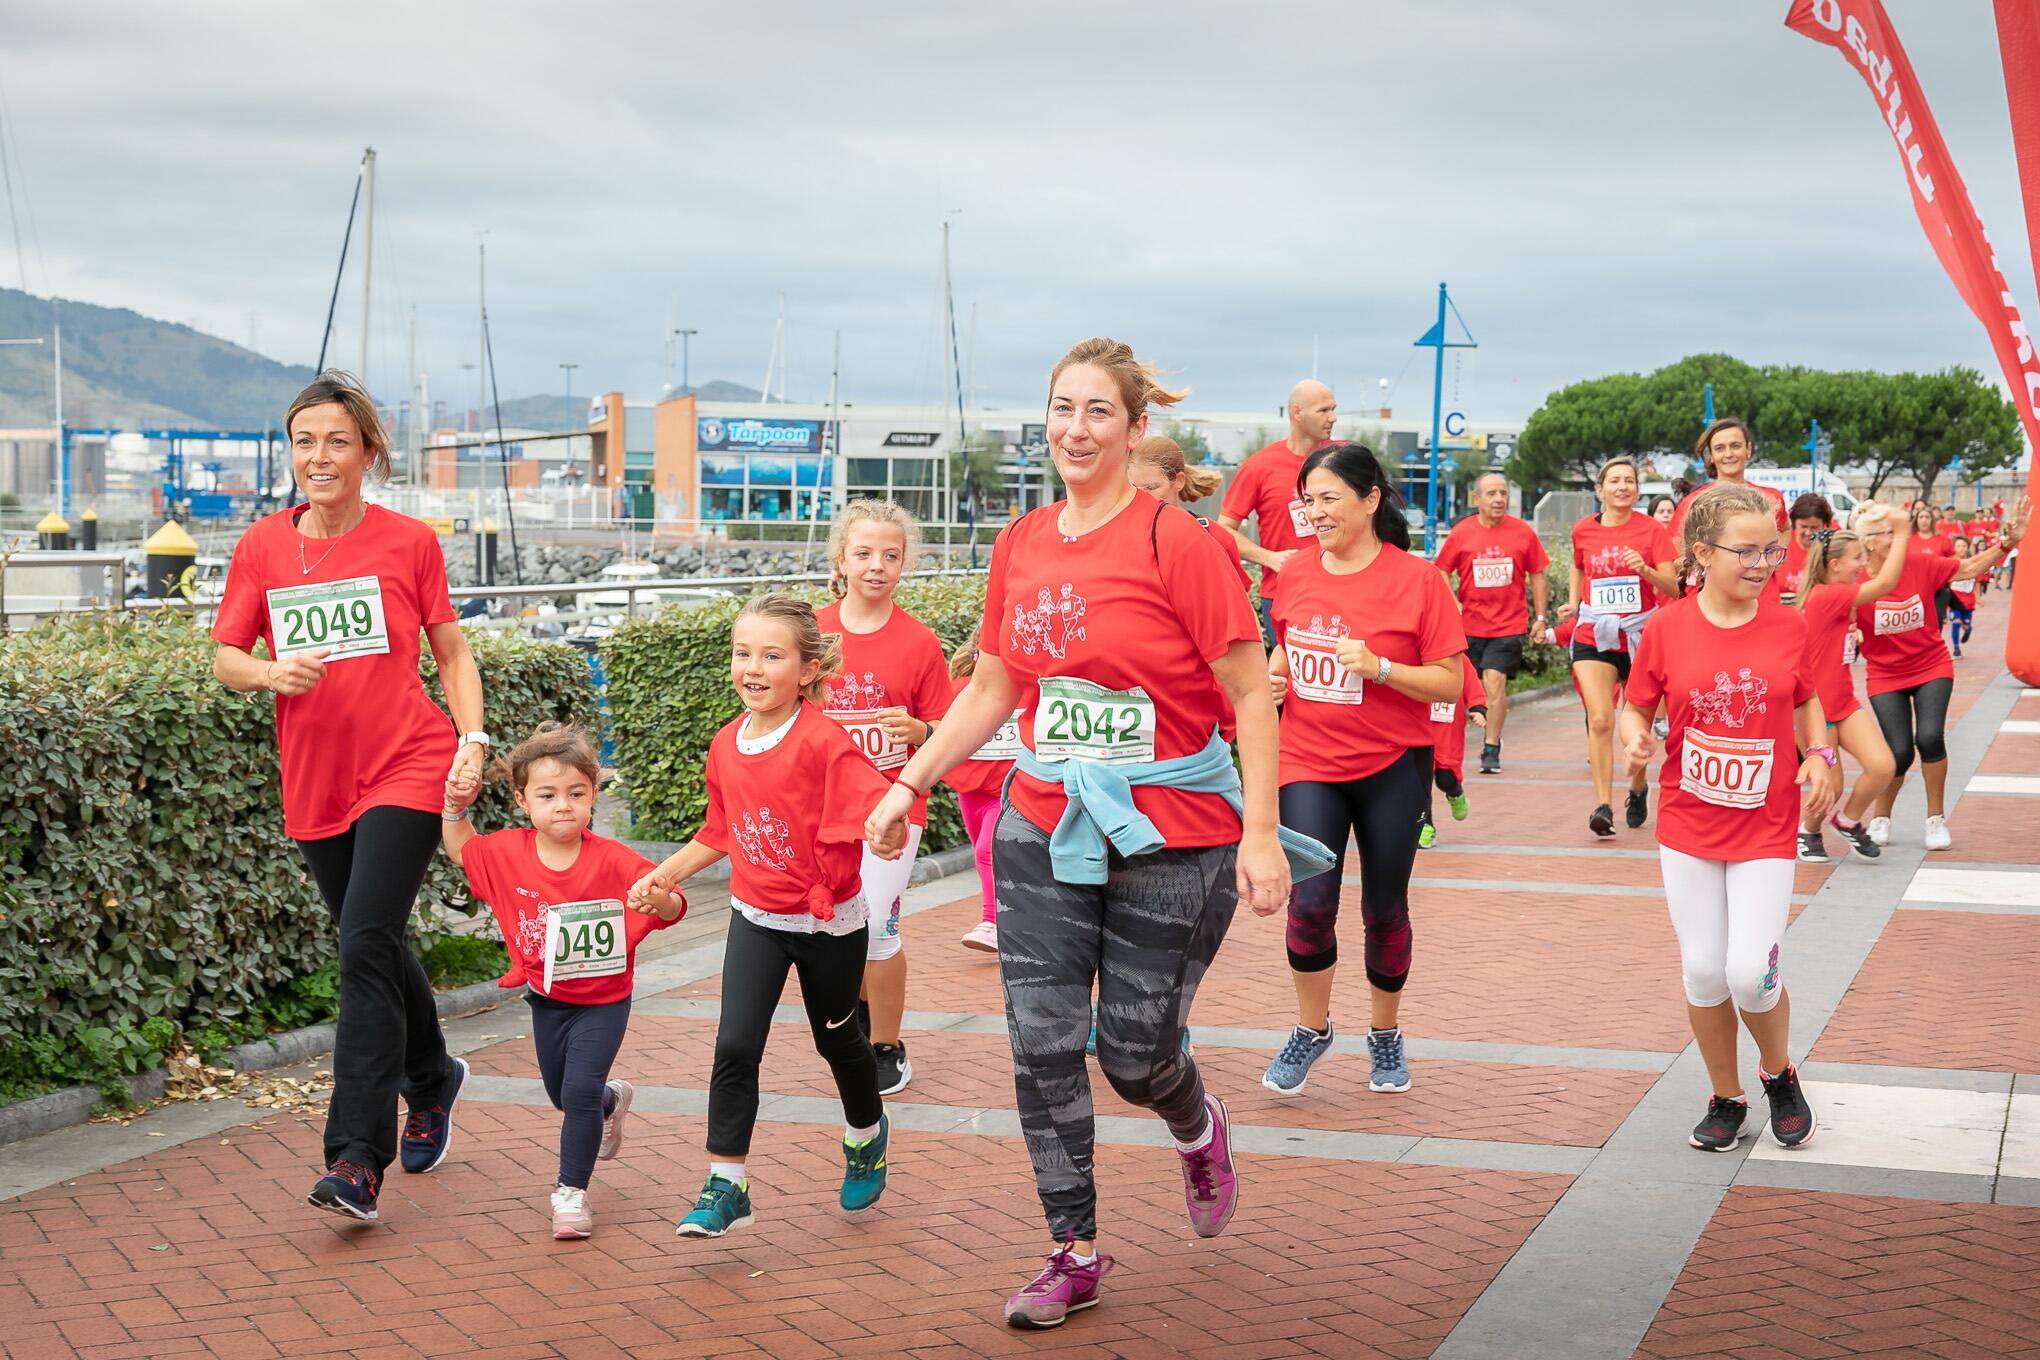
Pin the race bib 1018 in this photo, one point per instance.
(1076, 719)
(343, 616)
(1616, 594)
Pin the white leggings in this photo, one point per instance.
(885, 881)
(1730, 917)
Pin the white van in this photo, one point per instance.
(1794, 482)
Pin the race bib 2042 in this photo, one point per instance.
(345, 616)
(1076, 719)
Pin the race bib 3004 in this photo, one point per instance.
(1442, 713)
(1080, 720)
(870, 736)
(1898, 616)
(1730, 772)
(1616, 594)
(584, 940)
(345, 616)
(1494, 573)
(1314, 669)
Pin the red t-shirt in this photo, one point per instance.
(899, 666)
(1449, 721)
(504, 870)
(1728, 787)
(791, 818)
(366, 735)
(1495, 566)
(1902, 646)
(1230, 546)
(1829, 610)
(1787, 578)
(1597, 551)
(985, 771)
(1337, 726)
(1144, 601)
(1265, 489)
(1770, 493)
(1964, 592)
(1939, 545)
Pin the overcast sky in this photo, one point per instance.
(1606, 186)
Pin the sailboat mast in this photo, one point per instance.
(367, 255)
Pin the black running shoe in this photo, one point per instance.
(1602, 821)
(1491, 758)
(1811, 850)
(894, 1071)
(1858, 837)
(347, 1189)
(1721, 1130)
(1792, 1121)
(1636, 810)
(428, 1132)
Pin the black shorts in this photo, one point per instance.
(1504, 654)
(1585, 651)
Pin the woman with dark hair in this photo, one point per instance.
(1725, 449)
(1368, 638)
(340, 591)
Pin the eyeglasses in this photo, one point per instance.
(1773, 556)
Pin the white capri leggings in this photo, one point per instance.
(1730, 917)
(885, 881)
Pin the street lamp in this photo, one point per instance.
(685, 333)
(568, 427)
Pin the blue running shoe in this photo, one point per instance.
(1291, 1067)
(428, 1132)
(864, 1169)
(348, 1189)
(1091, 1043)
(1391, 1070)
(723, 1205)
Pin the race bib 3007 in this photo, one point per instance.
(1730, 772)
(1314, 669)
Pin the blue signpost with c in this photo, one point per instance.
(1435, 338)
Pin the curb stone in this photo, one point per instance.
(72, 1105)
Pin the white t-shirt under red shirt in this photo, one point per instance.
(366, 735)
(1495, 567)
(1265, 489)
(899, 665)
(1143, 602)
(1728, 787)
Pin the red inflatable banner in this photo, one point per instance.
(1861, 32)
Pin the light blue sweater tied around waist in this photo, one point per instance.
(1101, 809)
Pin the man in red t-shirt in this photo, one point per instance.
(1493, 553)
(1265, 488)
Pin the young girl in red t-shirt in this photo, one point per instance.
(977, 784)
(556, 890)
(893, 686)
(1448, 752)
(787, 794)
(1729, 664)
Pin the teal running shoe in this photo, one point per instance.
(724, 1204)
(864, 1169)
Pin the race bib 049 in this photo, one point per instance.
(1079, 720)
(871, 737)
(345, 616)
(1315, 672)
(1898, 616)
(1004, 743)
(584, 940)
(1494, 573)
(1730, 772)
(1616, 594)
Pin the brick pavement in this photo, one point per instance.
(203, 1247)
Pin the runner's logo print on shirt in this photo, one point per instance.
(1732, 703)
(765, 840)
(1612, 560)
(1335, 629)
(852, 691)
(1052, 625)
(531, 929)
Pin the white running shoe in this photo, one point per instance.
(612, 1123)
(1880, 830)
(1937, 834)
(983, 937)
(571, 1219)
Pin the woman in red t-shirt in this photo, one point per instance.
(1908, 673)
(1833, 585)
(976, 783)
(1448, 753)
(1811, 514)
(556, 890)
(787, 789)
(1117, 626)
(1622, 564)
(1371, 640)
(340, 591)
(1725, 449)
(1729, 665)
(893, 686)
(1159, 468)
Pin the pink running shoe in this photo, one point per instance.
(1062, 1288)
(612, 1123)
(1211, 1188)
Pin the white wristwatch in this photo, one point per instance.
(1381, 671)
(480, 739)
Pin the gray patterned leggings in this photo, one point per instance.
(1147, 935)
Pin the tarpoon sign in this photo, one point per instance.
(715, 434)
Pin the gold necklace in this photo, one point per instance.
(306, 569)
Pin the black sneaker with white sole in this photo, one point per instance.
(428, 1132)
(1601, 821)
(1811, 850)
(894, 1071)
(347, 1189)
(1792, 1121)
(1857, 837)
(1722, 1129)
(1636, 808)
(1491, 758)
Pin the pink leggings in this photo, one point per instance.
(980, 811)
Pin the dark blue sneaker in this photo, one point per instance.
(723, 1205)
(428, 1133)
(864, 1169)
(1290, 1069)
(347, 1189)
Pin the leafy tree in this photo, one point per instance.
(980, 458)
(1581, 426)
(1196, 449)
(1919, 424)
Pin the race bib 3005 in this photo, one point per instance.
(1730, 772)
(870, 736)
(1315, 672)
(345, 616)
(1898, 616)
(1076, 719)
(1616, 594)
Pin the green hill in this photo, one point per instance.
(125, 370)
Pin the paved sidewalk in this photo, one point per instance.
(1532, 1195)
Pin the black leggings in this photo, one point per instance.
(755, 963)
(388, 1035)
(576, 1046)
(1381, 812)
(1915, 717)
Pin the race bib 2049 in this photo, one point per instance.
(1080, 720)
(345, 616)
(584, 940)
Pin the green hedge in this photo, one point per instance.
(144, 873)
(668, 683)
